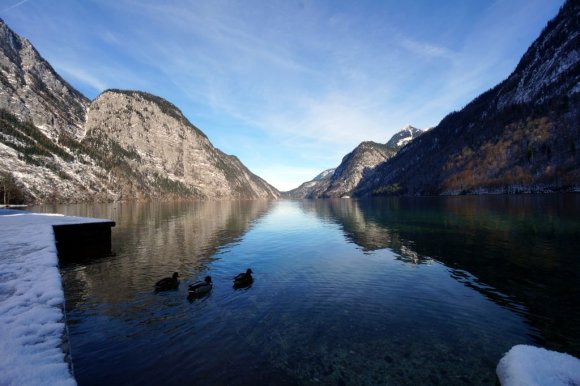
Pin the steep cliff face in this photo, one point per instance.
(56, 146)
(346, 176)
(341, 181)
(355, 165)
(39, 169)
(33, 91)
(521, 136)
(161, 146)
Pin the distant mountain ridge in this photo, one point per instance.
(523, 135)
(57, 146)
(341, 181)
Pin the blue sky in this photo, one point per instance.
(289, 87)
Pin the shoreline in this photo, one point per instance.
(33, 329)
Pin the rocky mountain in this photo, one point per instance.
(522, 135)
(57, 146)
(34, 92)
(307, 189)
(158, 143)
(403, 137)
(355, 165)
(341, 181)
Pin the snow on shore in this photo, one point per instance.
(533, 366)
(31, 300)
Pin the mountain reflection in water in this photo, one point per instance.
(155, 239)
(366, 292)
(519, 251)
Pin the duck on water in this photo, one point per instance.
(168, 283)
(243, 279)
(200, 287)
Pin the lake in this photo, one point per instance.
(398, 291)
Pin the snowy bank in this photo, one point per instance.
(31, 300)
(533, 366)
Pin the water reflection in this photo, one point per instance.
(521, 252)
(364, 231)
(152, 240)
(391, 291)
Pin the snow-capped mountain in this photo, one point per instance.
(406, 135)
(56, 145)
(523, 135)
(324, 175)
(340, 182)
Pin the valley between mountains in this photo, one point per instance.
(56, 145)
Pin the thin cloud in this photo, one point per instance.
(426, 49)
(15, 5)
(82, 75)
(219, 27)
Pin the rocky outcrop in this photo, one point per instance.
(161, 145)
(403, 137)
(33, 91)
(355, 165)
(42, 170)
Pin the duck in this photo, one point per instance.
(168, 283)
(200, 287)
(243, 279)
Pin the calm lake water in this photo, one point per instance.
(401, 291)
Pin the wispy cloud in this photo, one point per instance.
(425, 49)
(334, 118)
(18, 4)
(82, 75)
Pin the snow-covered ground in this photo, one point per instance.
(533, 366)
(31, 300)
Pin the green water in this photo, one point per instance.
(400, 291)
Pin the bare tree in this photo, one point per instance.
(8, 186)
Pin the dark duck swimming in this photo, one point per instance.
(200, 287)
(243, 279)
(168, 283)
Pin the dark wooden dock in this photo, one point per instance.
(83, 241)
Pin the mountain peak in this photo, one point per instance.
(325, 174)
(51, 103)
(141, 97)
(404, 136)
